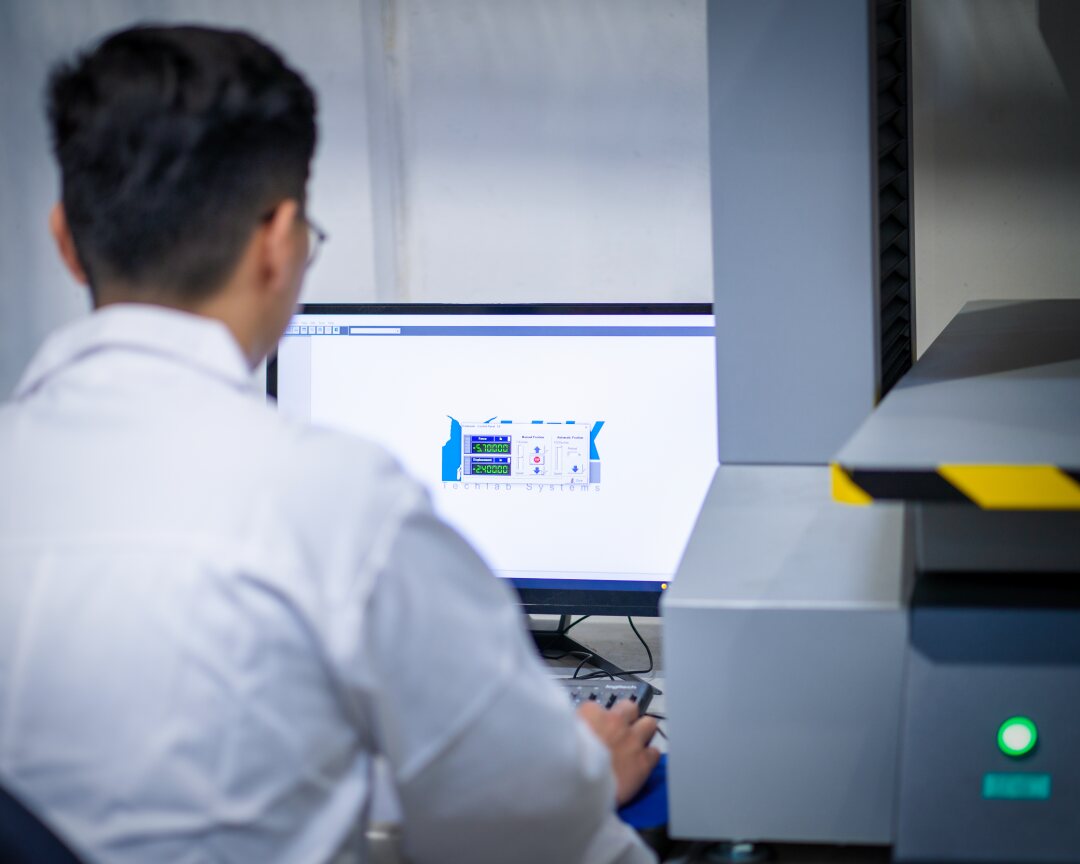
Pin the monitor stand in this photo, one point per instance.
(555, 641)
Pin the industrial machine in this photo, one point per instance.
(906, 672)
(982, 442)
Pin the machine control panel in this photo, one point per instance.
(554, 453)
(989, 762)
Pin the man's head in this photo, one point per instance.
(184, 155)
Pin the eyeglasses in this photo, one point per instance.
(315, 238)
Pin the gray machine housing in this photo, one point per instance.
(784, 637)
(983, 648)
(785, 625)
(994, 614)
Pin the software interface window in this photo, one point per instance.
(564, 447)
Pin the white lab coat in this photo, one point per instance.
(212, 619)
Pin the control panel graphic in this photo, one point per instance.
(553, 452)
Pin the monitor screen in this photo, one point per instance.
(571, 445)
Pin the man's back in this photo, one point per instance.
(211, 620)
(160, 555)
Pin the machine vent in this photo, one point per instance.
(894, 192)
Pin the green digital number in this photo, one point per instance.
(485, 447)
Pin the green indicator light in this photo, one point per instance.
(1017, 736)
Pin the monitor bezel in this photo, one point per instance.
(643, 602)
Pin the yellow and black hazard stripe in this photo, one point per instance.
(992, 487)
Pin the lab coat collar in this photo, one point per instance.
(193, 340)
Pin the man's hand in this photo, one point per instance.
(627, 738)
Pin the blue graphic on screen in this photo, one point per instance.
(557, 452)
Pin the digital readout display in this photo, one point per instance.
(490, 447)
(491, 469)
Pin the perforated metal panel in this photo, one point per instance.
(894, 192)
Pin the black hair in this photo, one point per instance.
(173, 143)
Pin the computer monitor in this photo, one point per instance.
(572, 445)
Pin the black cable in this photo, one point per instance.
(585, 656)
(591, 675)
(658, 717)
(644, 645)
(588, 655)
(573, 624)
(584, 660)
(648, 653)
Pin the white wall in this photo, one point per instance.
(552, 151)
(996, 153)
(485, 150)
(515, 150)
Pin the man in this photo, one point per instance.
(211, 619)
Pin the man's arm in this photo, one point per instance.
(489, 760)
